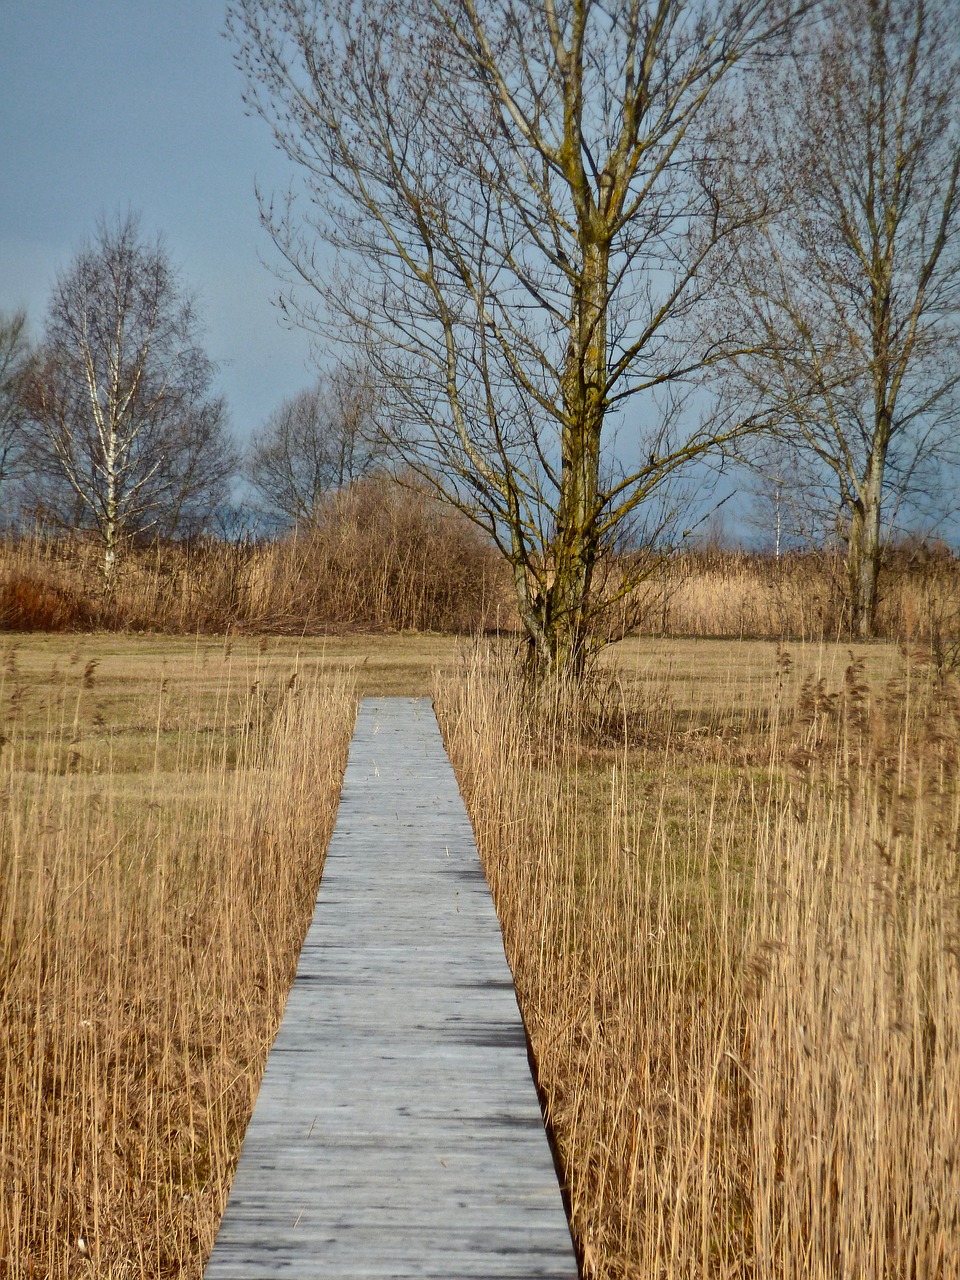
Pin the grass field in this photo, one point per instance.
(728, 877)
(166, 806)
(729, 890)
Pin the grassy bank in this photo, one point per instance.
(730, 900)
(165, 813)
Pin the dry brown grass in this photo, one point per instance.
(729, 880)
(379, 558)
(165, 813)
(382, 558)
(735, 938)
(799, 597)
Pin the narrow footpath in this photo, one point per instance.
(397, 1131)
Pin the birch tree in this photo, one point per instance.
(529, 205)
(851, 292)
(122, 391)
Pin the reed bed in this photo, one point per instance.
(802, 596)
(736, 941)
(378, 557)
(161, 839)
(381, 557)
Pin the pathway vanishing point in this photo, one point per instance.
(397, 1131)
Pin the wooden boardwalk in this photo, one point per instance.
(397, 1131)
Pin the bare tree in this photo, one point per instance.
(15, 357)
(122, 392)
(850, 293)
(195, 470)
(791, 503)
(529, 204)
(316, 442)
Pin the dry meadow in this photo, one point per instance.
(728, 880)
(728, 876)
(166, 806)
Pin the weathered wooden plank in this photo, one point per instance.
(397, 1131)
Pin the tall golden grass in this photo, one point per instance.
(160, 850)
(378, 557)
(737, 953)
(384, 557)
(801, 596)
(733, 919)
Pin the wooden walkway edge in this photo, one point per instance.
(397, 1131)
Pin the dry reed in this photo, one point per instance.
(738, 967)
(381, 557)
(159, 858)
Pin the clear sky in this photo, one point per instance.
(136, 105)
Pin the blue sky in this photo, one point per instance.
(136, 104)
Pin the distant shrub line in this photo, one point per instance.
(377, 557)
(382, 557)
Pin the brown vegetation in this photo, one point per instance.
(163, 829)
(801, 596)
(377, 557)
(730, 889)
(735, 941)
(385, 558)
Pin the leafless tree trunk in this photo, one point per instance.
(850, 294)
(529, 204)
(121, 390)
(15, 358)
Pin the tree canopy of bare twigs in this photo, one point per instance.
(15, 356)
(121, 395)
(315, 443)
(529, 203)
(850, 292)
